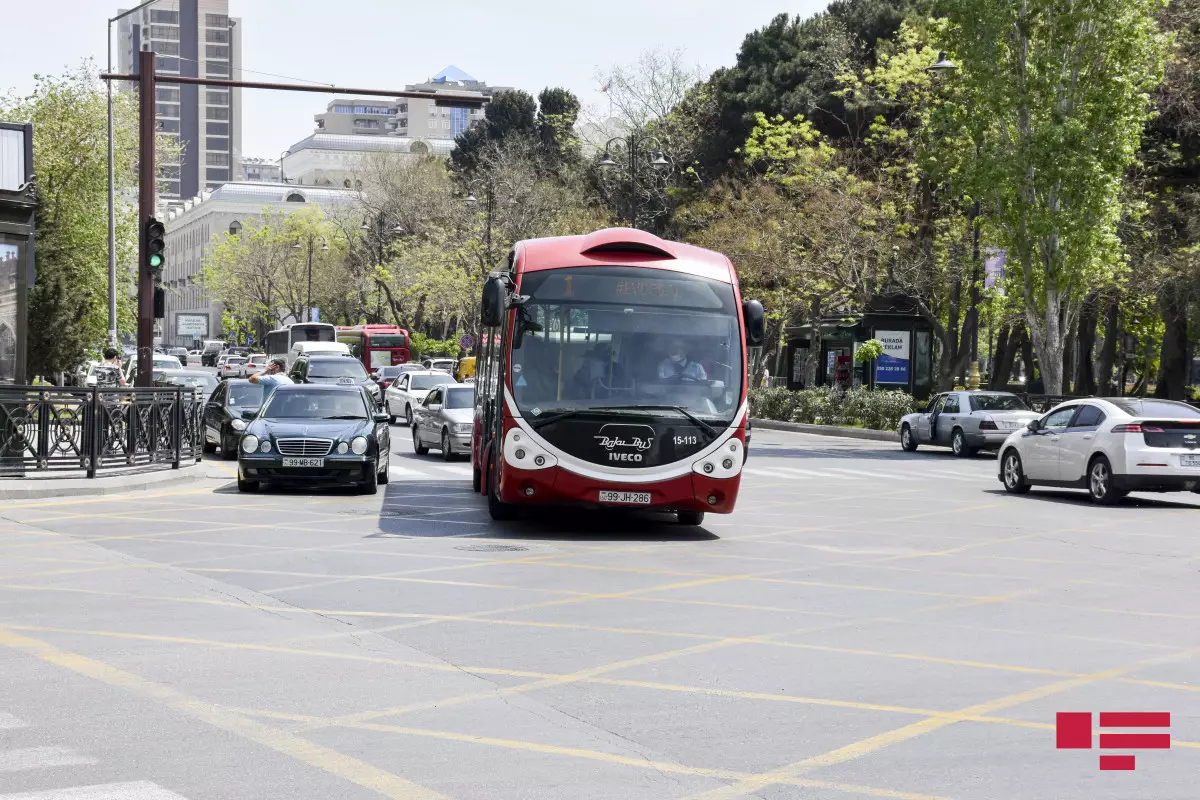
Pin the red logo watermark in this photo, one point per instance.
(1074, 732)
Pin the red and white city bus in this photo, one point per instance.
(376, 345)
(612, 372)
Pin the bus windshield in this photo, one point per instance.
(620, 336)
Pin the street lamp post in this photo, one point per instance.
(945, 66)
(635, 146)
(308, 307)
(489, 197)
(383, 234)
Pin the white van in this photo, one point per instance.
(324, 348)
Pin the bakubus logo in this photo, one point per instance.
(626, 443)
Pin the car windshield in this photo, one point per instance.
(337, 368)
(997, 402)
(246, 395)
(460, 398)
(1166, 409)
(300, 404)
(426, 381)
(618, 336)
(205, 382)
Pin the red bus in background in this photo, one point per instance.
(376, 345)
(612, 373)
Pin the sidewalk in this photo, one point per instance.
(824, 430)
(34, 488)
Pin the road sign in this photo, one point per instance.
(466, 341)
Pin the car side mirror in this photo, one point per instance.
(491, 308)
(1034, 425)
(756, 323)
(379, 416)
(434, 407)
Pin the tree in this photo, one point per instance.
(510, 112)
(558, 111)
(1059, 93)
(68, 305)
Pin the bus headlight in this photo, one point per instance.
(238, 424)
(249, 443)
(358, 445)
(725, 463)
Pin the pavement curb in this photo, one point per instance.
(39, 488)
(825, 430)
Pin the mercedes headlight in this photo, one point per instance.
(358, 445)
(463, 427)
(249, 443)
(238, 424)
(265, 447)
(342, 448)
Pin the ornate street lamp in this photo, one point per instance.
(636, 147)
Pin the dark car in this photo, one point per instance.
(340, 370)
(316, 434)
(187, 378)
(384, 376)
(226, 412)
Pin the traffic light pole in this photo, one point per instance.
(146, 209)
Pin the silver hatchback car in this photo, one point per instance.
(444, 420)
(965, 421)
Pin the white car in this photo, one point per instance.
(1109, 446)
(159, 362)
(257, 362)
(409, 390)
(231, 367)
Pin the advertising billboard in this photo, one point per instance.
(194, 326)
(892, 366)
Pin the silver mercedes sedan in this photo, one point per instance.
(444, 420)
(965, 421)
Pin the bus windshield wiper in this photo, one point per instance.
(709, 429)
(538, 423)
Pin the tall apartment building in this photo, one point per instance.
(195, 38)
(418, 118)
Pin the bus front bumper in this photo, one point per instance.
(558, 486)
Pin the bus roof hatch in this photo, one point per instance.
(625, 240)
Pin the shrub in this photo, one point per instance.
(879, 410)
(422, 346)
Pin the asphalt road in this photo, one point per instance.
(869, 623)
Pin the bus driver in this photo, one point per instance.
(678, 365)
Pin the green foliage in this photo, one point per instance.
(423, 347)
(868, 351)
(878, 410)
(68, 305)
(510, 112)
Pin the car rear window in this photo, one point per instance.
(997, 402)
(1161, 409)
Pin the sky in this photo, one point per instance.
(386, 44)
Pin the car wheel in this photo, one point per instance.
(228, 451)
(447, 451)
(1014, 474)
(407, 414)
(498, 510)
(370, 484)
(383, 475)
(247, 486)
(392, 418)
(958, 443)
(907, 440)
(690, 517)
(420, 448)
(1100, 483)
(208, 447)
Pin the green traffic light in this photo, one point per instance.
(156, 260)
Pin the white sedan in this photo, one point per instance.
(256, 363)
(409, 390)
(1109, 446)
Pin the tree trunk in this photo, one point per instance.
(814, 345)
(1047, 335)
(1174, 363)
(1085, 377)
(1027, 359)
(1108, 350)
(419, 315)
(1068, 362)
(1000, 357)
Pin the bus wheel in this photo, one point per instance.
(691, 517)
(498, 510)
(477, 479)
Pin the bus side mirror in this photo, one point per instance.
(491, 309)
(756, 323)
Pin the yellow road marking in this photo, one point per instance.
(335, 763)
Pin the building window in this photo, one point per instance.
(215, 98)
(217, 129)
(216, 144)
(294, 197)
(168, 125)
(403, 108)
(216, 51)
(167, 110)
(216, 68)
(419, 148)
(166, 48)
(367, 124)
(433, 123)
(343, 109)
(216, 159)
(217, 112)
(168, 17)
(383, 110)
(216, 20)
(217, 37)
(216, 174)
(401, 123)
(165, 64)
(235, 227)
(167, 94)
